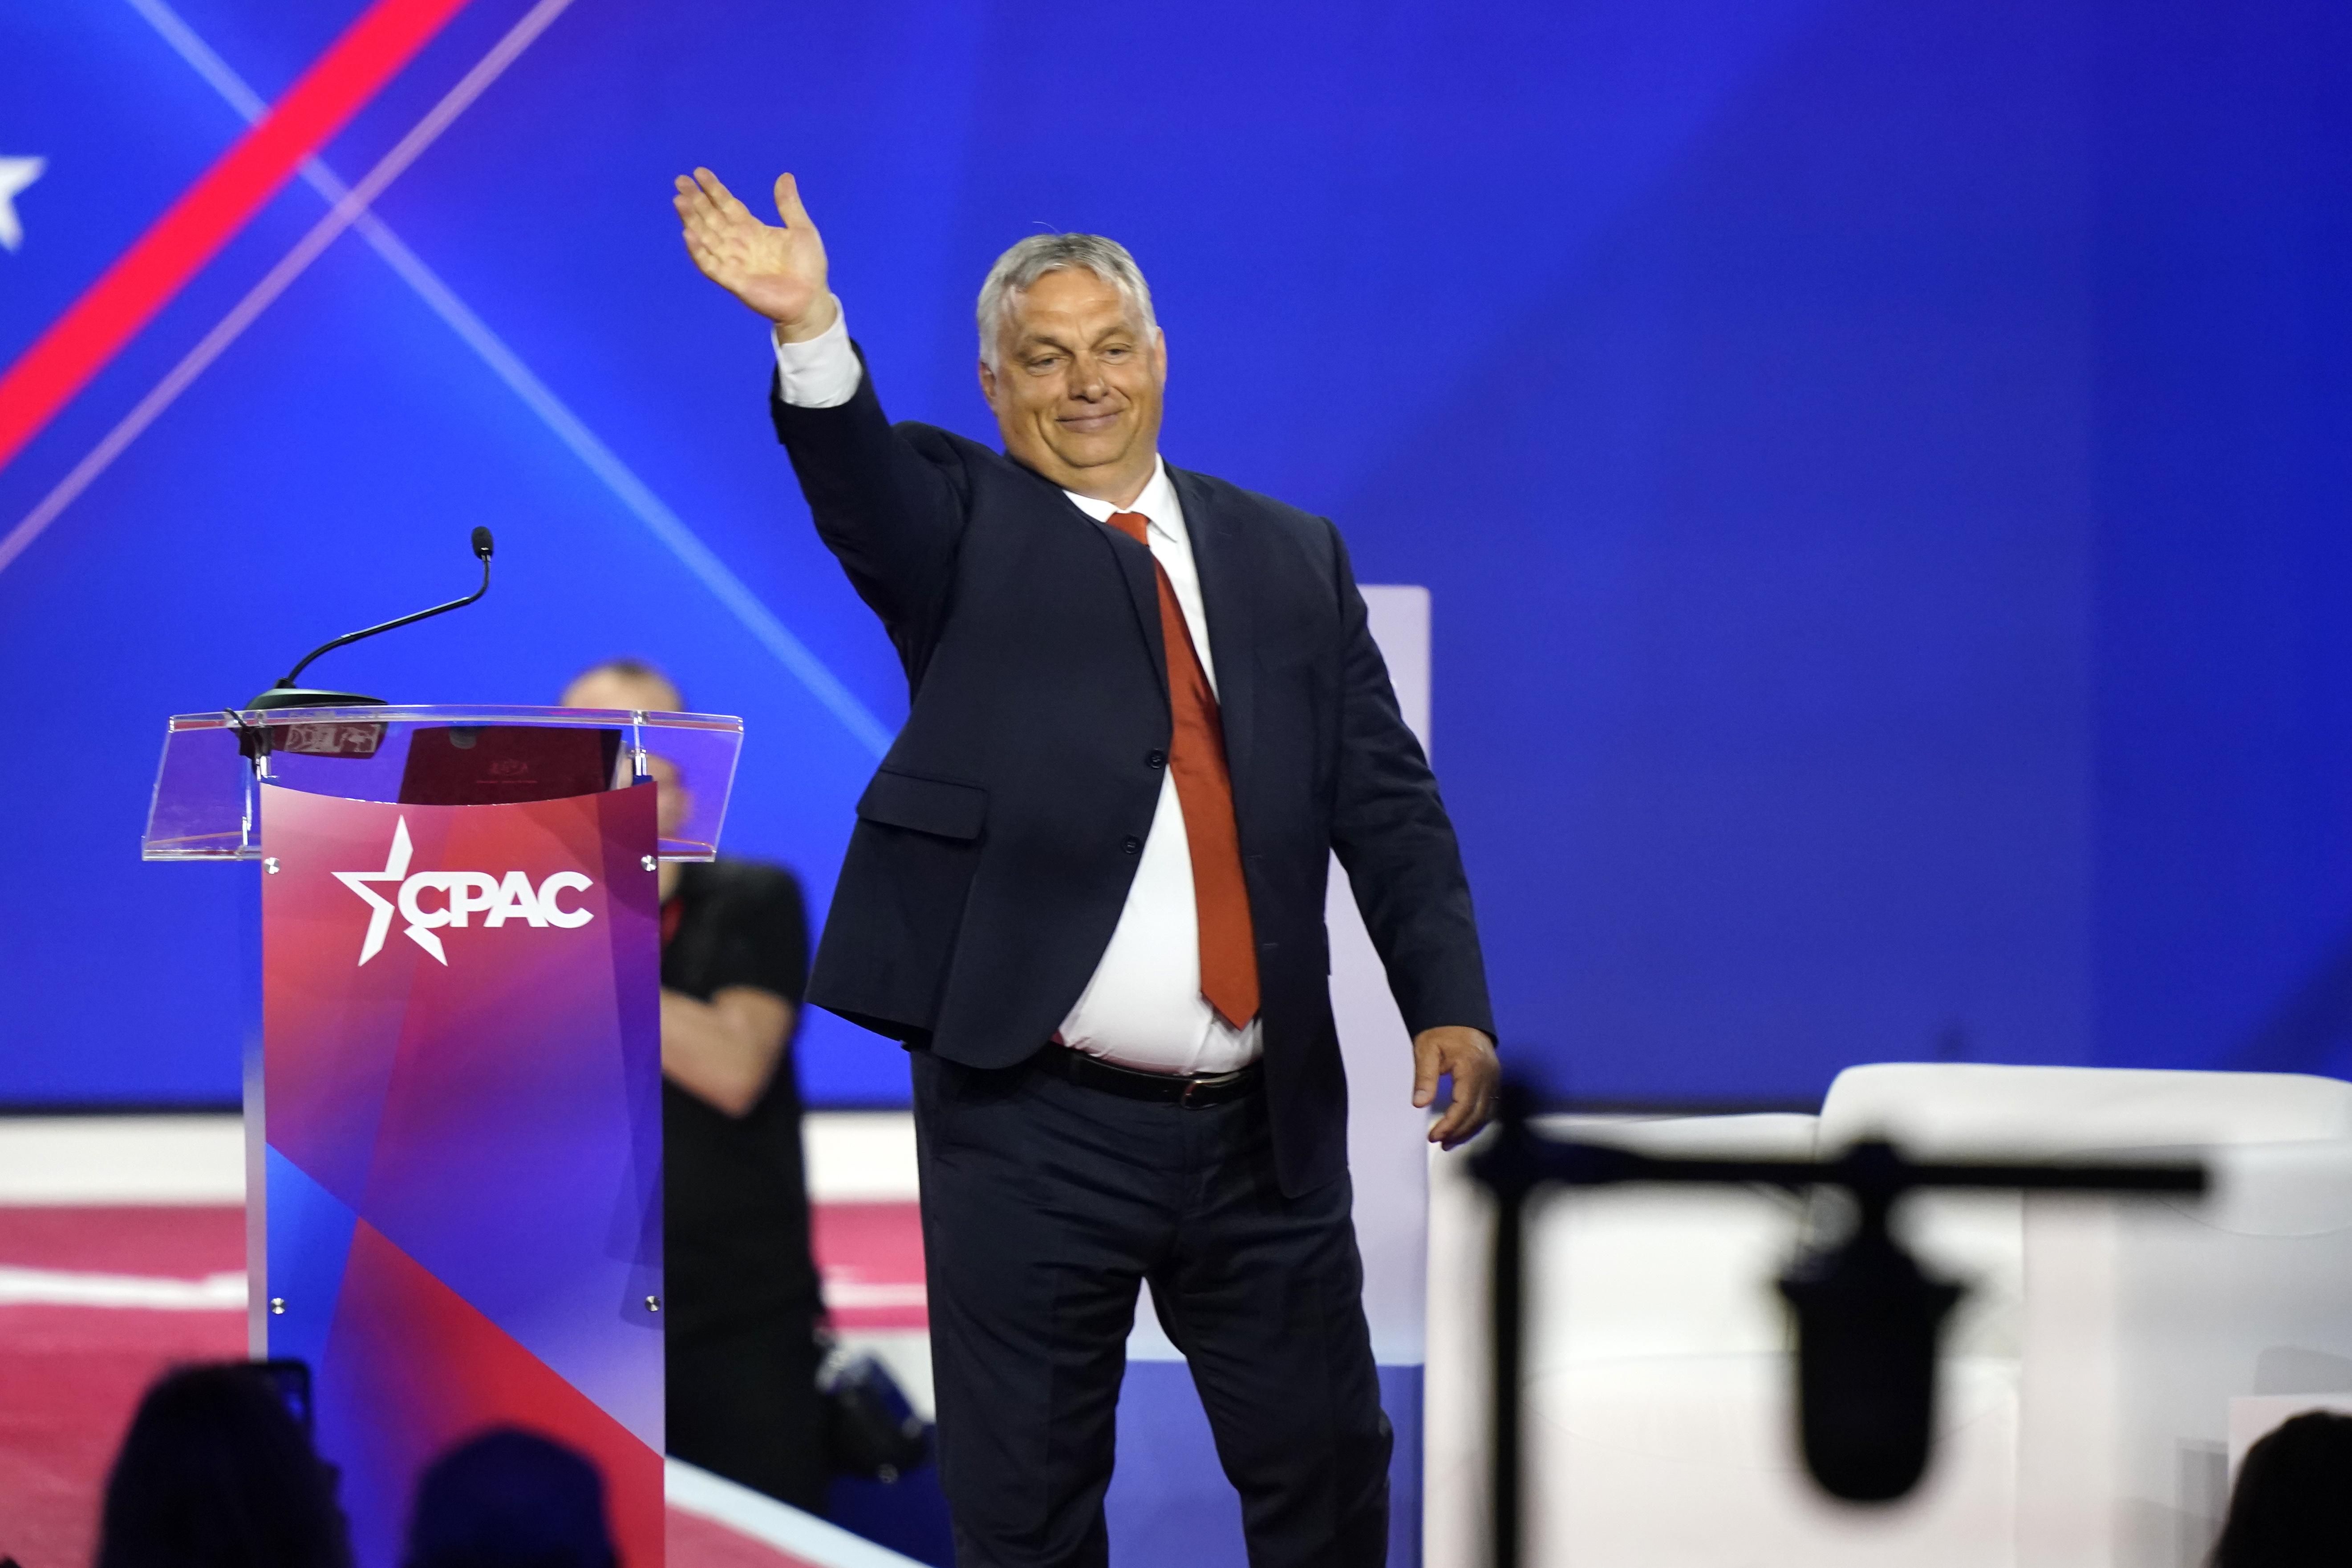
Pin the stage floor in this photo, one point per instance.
(122, 1253)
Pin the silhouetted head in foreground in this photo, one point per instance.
(217, 1473)
(509, 1499)
(2292, 1505)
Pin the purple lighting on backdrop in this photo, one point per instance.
(1879, 467)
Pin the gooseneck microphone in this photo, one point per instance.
(286, 694)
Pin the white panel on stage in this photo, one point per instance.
(1387, 1138)
(78, 1161)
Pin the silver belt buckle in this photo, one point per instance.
(1209, 1080)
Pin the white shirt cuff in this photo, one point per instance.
(822, 373)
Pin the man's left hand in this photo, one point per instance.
(1469, 1056)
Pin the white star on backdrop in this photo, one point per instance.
(16, 174)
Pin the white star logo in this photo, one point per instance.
(463, 895)
(16, 174)
(396, 871)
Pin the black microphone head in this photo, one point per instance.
(1868, 1322)
(482, 542)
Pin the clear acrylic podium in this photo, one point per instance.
(206, 806)
(453, 1101)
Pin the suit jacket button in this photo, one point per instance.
(1133, 846)
(1156, 759)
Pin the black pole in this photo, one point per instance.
(1508, 1309)
(1511, 1167)
(1872, 1170)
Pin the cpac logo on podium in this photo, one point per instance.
(458, 895)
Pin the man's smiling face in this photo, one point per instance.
(1076, 385)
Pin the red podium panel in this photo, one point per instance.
(462, 1114)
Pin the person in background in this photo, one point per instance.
(509, 1498)
(740, 1301)
(216, 1472)
(2292, 1506)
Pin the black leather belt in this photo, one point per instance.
(1195, 1092)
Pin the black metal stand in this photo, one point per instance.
(1847, 1293)
(1511, 1168)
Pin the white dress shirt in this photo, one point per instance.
(1144, 1008)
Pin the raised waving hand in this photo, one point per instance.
(778, 272)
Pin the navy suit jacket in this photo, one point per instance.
(994, 847)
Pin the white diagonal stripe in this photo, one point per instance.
(278, 278)
(632, 492)
(810, 1539)
(63, 1288)
(848, 1294)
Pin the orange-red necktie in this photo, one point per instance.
(1205, 790)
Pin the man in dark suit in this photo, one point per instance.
(1087, 889)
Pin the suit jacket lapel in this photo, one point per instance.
(1142, 579)
(1133, 563)
(1220, 554)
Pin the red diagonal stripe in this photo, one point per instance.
(143, 279)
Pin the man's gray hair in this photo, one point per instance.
(1018, 269)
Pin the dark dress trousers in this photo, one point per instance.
(991, 858)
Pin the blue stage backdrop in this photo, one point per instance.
(1882, 466)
